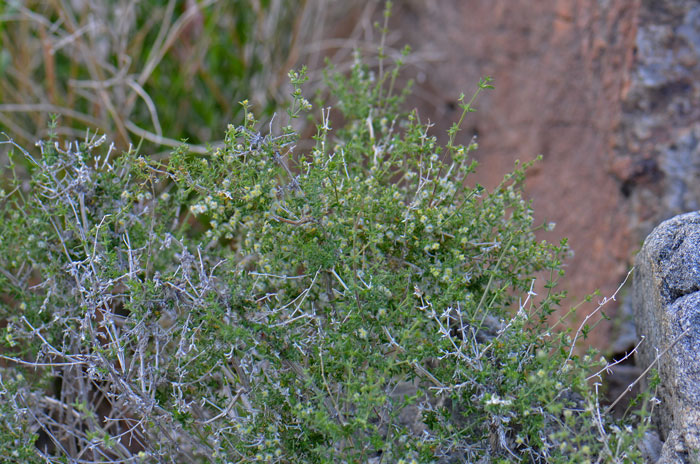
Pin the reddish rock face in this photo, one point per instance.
(561, 70)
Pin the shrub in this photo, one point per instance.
(364, 301)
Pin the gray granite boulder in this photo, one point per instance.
(667, 312)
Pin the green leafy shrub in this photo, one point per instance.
(364, 301)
